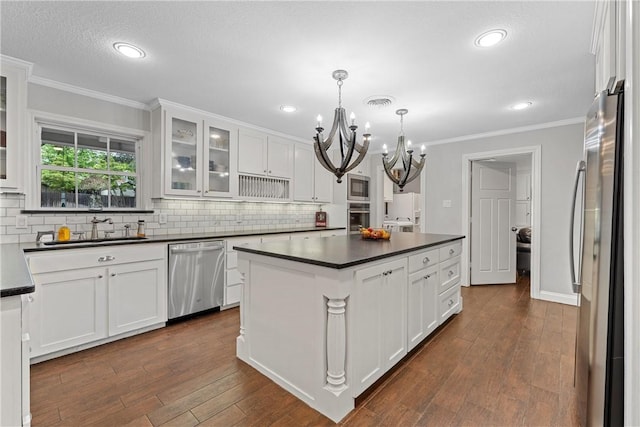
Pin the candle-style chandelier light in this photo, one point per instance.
(411, 167)
(346, 138)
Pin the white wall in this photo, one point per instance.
(561, 149)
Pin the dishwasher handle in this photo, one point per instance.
(199, 249)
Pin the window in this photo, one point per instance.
(86, 170)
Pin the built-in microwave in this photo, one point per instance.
(357, 188)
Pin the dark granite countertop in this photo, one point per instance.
(347, 251)
(15, 278)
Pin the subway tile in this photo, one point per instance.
(10, 238)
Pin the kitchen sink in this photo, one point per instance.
(102, 240)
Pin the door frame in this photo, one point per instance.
(536, 154)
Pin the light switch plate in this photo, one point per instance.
(21, 221)
(162, 218)
(446, 203)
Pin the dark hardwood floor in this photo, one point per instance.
(506, 360)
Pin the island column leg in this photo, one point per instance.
(336, 345)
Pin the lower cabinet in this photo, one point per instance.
(87, 295)
(380, 320)
(422, 305)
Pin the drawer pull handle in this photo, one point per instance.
(450, 302)
(425, 260)
(451, 251)
(106, 258)
(99, 276)
(30, 298)
(451, 273)
(113, 274)
(427, 276)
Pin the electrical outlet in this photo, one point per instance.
(162, 218)
(21, 221)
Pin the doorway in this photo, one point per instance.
(529, 156)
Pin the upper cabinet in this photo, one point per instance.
(198, 154)
(13, 102)
(262, 154)
(312, 182)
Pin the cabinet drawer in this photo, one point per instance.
(241, 241)
(451, 250)
(70, 259)
(423, 260)
(233, 277)
(449, 273)
(449, 303)
(232, 259)
(233, 294)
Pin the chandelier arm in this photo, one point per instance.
(361, 154)
(344, 135)
(334, 128)
(323, 158)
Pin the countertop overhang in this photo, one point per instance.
(347, 251)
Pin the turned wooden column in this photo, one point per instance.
(336, 345)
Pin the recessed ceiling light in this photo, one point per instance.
(129, 50)
(288, 108)
(490, 38)
(521, 105)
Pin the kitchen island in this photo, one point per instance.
(325, 318)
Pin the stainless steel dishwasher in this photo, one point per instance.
(196, 277)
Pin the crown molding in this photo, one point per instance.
(565, 122)
(10, 60)
(87, 92)
(160, 102)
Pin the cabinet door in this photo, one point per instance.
(380, 328)
(280, 158)
(322, 183)
(219, 160)
(11, 366)
(13, 86)
(303, 190)
(252, 152)
(69, 308)
(422, 305)
(388, 188)
(183, 139)
(137, 296)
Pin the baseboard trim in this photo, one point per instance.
(558, 297)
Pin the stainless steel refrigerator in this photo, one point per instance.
(597, 233)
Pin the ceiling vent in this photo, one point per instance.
(379, 101)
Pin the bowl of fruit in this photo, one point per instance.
(375, 233)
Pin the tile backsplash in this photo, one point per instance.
(182, 217)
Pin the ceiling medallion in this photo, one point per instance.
(411, 167)
(346, 138)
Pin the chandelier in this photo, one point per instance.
(346, 138)
(411, 167)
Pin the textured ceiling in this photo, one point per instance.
(245, 59)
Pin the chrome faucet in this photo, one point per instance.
(94, 226)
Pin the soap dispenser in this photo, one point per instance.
(140, 232)
(64, 233)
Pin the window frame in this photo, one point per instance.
(79, 126)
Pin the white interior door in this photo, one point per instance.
(493, 244)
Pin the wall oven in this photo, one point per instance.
(357, 188)
(359, 216)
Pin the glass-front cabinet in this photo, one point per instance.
(13, 81)
(199, 155)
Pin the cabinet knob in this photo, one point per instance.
(113, 274)
(199, 191)
(269, 171)
(451, 273)
(106, 258)
(450, 302)
(30, 298)
(265, 171)
(427, 276)
(99, 276)
(451, 251)
(426, 260)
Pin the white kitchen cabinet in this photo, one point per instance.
(380, 319)
(449, 269)
(198, 153)
(387, 188)
(422, 305)
(68, 309)
(264, 155)
(312, 182)
(14, 353)
(85, 296)
(233, 278)
(13, 82)
(332, 233)
(137, 296)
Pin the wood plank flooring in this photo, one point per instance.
(506, 360)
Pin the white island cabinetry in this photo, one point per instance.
(84, 297)
(326, 318)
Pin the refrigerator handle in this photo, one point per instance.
(575, 282)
